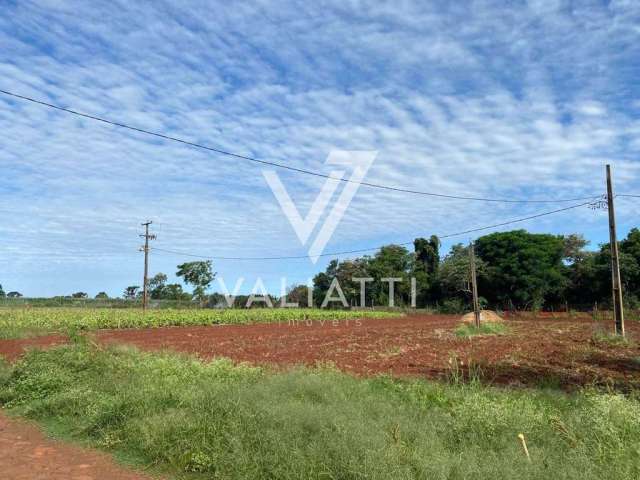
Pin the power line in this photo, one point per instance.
(280, 165)
(333, 254)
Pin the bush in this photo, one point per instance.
(453, 306)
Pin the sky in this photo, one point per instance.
(524, 100)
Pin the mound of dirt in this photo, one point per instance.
(485, 316)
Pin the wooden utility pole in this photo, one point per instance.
(145, 249)
(618, 309)
(474, 285)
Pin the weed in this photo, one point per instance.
(467, 330)
(602, 337)
(460, 373)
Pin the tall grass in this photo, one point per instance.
(217, 420)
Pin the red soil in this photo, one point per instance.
(25, 454)
(554, 351)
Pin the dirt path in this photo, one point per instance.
(25, 454)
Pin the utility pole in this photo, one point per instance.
(618, 309)
(145, 249)
(474, 284)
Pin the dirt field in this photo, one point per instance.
(547, 351)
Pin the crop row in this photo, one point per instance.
(33, 321)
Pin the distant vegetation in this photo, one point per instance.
(16, 323)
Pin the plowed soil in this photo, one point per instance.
(555, 352)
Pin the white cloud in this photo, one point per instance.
(495, 101)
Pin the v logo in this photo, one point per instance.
(360, 161)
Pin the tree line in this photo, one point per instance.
(515, 270)
(12, 294)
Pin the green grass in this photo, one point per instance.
(217, 420)
(467, 330)
(612, 339)
(19, 323)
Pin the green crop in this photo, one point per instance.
(16, 323)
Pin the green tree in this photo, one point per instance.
(14, 294)
(427, 254)
(131, 292)
(102, 295)
(630, 268)
(157, 285)
(573, 247)
(322, 281)
(2, 294)
(425, 270)
(79, 295)
(299, 294)
(174, 291)
(198, 274)
(590, 273)
(455, 271)
(391, 261)
(524, 269)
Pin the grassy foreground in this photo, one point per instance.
(217, 420)
(17, 323)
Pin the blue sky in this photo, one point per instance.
(502, 99)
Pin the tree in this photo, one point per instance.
(174, 291)
(573, 247)
(391, 261)
(158, 280)
(102, 295)
(14, 295)
(455, 270)
(131, 292)
(425, 270)
(79, 295)
(590, 273)
(157, 285)
(427, 253)
(630, 247)
(524, 269)
(2, 294)
(198, 274)
(299, 294)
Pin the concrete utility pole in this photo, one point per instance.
(474, 284)
(145, 249)
(618, 309)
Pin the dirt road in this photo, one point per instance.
(25, 454)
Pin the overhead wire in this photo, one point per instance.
(281, 165)
(347, 252)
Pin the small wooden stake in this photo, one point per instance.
(524, 445)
